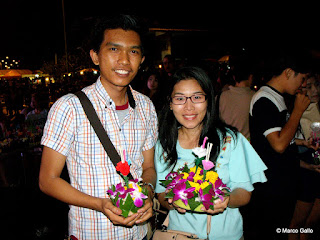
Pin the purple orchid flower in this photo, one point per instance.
(173, 175)
(182, 193)
(119, 188)
(218, 186)
(138, 198)
(190, 177)
(205, 199)
(216, 193)
(177, 179)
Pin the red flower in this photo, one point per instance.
(123, 168)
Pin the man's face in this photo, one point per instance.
(119, 57)
(168, 65)
(297, 82)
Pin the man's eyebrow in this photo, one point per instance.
(114, 44)
(119, 45)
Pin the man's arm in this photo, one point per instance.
(51, 183)
(280, 140)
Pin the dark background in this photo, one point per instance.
(32, 31)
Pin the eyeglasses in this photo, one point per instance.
(180, 100)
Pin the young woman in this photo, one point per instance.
(186, 119)
(307, 210)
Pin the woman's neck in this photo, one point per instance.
(189, 138)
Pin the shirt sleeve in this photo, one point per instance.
(152, 134)
(266, 116)
(245, 166)
(58, 132)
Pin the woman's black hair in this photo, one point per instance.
(212, 125)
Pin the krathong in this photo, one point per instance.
(196, 187)
(131, 195)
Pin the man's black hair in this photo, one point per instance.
(122, 21)
(296, 59)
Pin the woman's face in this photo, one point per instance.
(152, 82)
(190, 115)
(312, 90)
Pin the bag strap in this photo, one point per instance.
(99, 129)
(166, 223)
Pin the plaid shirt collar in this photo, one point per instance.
(107, 100)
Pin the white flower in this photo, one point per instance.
(200, 152)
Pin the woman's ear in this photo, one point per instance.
(94, 57)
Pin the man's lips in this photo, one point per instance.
(122, 72)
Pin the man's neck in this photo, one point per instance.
(116, 93)
(276, 83)
(244, 83)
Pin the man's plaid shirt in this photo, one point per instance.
(69, 132)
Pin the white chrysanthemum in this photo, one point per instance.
(200, 152)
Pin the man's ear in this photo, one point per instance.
(142, 60)
(94, 57)
(288, 72)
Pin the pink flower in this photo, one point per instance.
(205, 199)
(207, 165)
(137, 198)
(180, 192)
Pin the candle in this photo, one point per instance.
(204, 142)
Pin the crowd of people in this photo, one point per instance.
(158, 115)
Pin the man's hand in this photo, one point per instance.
(114, 214)
(145, 212)
(301, 103)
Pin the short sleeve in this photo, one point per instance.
(245, 165)
(152, 127)
(266, 116)
(58, 133)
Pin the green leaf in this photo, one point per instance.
(165, 183)
(207, 189)
(186, 169)
(197, 161)
(170, 194)
(193, 203)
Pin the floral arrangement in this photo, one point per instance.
(315, 127)
(196, 187)
(131, 195)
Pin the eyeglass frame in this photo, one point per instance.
(205, 99)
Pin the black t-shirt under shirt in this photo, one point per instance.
(268, 114)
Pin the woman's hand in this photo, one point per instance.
(174, 206)
(219, 206)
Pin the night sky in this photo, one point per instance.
(33, 30)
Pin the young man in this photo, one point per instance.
(272, 131)
(130, 121)
(234, 103)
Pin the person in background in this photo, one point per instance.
(152, 88)
(234, 103)
(169, 65)
(36, 118)
(307, 209)
(272, 132)
(130, 121)
(187, 117)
